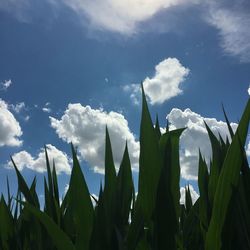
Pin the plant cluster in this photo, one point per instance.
(152, 220)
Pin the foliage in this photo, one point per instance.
(155, 219)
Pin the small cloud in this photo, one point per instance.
(248, 90)
(17, 108)
(46, 110)
(106, 80)
(26, 118)
(164, 85)
(135, 92)
(5, 84)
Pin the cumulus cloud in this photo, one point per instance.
(5, 84)
(194, 138)
(194, 194)
(248, 90)
(85, 128)
(121, 16)
(233, 26)
(164, 85)
(10, 130)
(23, 159)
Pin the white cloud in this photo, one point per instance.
(18, 107)
(5, 84)
(85, 128)
(194, 138)
(248, 90)
(23, 159)
(46, 110)
(233, 26)
(26, 118)
(122, 16)
(10, 130)
(169, 74)
(194, 194)
(165, 84)
(134, 91)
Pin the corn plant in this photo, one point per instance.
(154, 219)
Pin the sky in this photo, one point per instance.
(68, 68)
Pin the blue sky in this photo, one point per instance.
(68, 68)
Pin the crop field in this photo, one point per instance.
(152, 219)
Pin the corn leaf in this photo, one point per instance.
(229, 177)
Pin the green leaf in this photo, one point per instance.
(228, 123)
(169, 146)
(229, 177)
(80, 205)
(23, 187)
(50, 182)
(150, 163)
(204, 205)
(216, 164)
(55, 183)
(6, 224)
(110, 173)
(165, 219)
(60, 239)
(188, 199)
(124, 193)
(157, 128)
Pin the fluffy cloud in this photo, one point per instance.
(194, 194)
(10, 130)
(5, 84)
(194, 138)
(169, 74)
(248, 90)
(233, 26)
(85, 128)
(23, 159)
(165, 84)
(121, 16)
